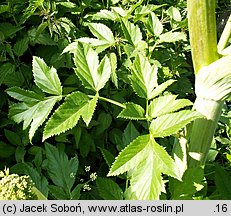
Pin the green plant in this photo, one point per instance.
(118, 99)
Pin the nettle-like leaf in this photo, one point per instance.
(146, 160)
(46, 78)
(93, 74)
(131, 32)
(33, 110)
(160, 105)
(154, 25)
(102, 32)
(169, 124)
(171, 37)
(133, 112)
(67, 115)
(143, 77)
(104, 37)
(61, 170)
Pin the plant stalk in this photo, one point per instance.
(202, 32)
(203, 130)
(203, 40)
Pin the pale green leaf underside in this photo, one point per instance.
(166, 104)
(169, 124)
(133, 112)
(46, 78)
(67, 115)
(213, 82)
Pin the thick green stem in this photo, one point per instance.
(203, 40)
(203, 130)
(202, 32)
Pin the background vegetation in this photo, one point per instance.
(49, 30)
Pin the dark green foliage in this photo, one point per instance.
(130, 43)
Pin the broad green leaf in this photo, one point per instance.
(89, 109)
(13, 137)
(61, 170)
(144, 77)
(133, 112)
(154, 25)
(108, 189)
(21, 46)
(171, 37)
(222, 181)
(6, 70)
(160, 105)
(92, 74)
(46, 78)
(102, 32)
(131, 32)
(67, 115)
(24, 95)
(160, 88)
(131, 156)
(169, 124)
